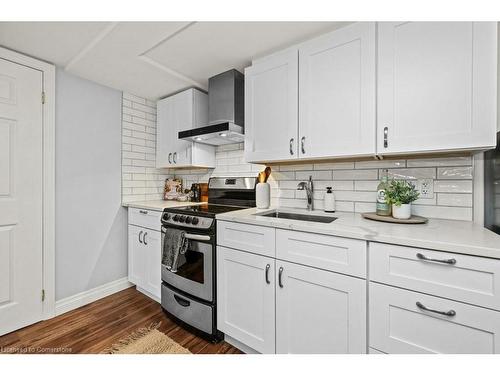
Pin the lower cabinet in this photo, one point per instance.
(144, 259)
(406, 322)
(245, 298)
(319, 311)
(274, 306)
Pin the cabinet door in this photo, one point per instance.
(136, 256)
(271, 108)
(436, 86)
(337, 93)
(182, 120)
(319, 311)
(398, 325)
(164, 139)
(245, 298)
(152, 245)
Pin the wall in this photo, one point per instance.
(354, 182)
(91, 225)
(141, 180)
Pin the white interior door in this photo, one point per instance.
(271, 108)
(20, 196)
(337, 93)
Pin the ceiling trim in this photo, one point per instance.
(91, 45)
(172, 72)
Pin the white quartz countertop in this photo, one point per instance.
(447, 235)
(158, 205)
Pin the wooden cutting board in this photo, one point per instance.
(414, 219)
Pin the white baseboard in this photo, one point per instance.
(239, 345)
(152, 296)
(81, 299)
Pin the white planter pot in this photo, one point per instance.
(263, 195)
(402, 212)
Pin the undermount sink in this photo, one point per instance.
(302, 217)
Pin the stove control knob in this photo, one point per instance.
(195, 220)
(175, 218)
(182, 219)
(166, 216)
(188, 220)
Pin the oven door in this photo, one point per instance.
(194, 274)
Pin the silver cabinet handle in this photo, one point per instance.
(302, 144)
(291, 146)
(447, 313)
(140, 236)
(386, 136)
(170, 158)
(267, 274)
(144, 212)
(280, 274)
(144, 238)
(447, 261)
(175, 158)
(197, 237)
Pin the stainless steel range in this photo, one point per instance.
(189, 292)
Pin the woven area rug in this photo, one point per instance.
(147, 341)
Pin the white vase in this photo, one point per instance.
(263, 195)
(402, 212)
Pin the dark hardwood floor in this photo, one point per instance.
(96, 326)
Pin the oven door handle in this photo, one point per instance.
(197, 237)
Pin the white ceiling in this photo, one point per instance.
(154, 59)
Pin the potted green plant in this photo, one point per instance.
(400, 194)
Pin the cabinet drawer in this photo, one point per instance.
(464, 278)
(252, 238)
(145, 218)
(398, 325)
(331, 253)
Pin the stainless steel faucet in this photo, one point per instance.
(309, 188)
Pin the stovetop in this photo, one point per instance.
(206, 209)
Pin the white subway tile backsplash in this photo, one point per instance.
(455, 173)
(354, 182)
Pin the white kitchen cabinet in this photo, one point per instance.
(144, 259)
(319, 311)
(437, 86)
(183, 111)
(245, 298)
(398, 325)
(337, 93)
(271, 108)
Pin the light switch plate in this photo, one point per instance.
(426, 187)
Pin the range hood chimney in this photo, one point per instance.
(226, 113)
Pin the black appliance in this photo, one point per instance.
(492, 188)
(189, 294)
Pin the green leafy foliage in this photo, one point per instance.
(401, 192)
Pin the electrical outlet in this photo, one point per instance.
(426, 188)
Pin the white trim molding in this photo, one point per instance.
(84, 298)
(48, 188)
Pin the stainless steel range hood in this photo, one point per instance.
(226, 119)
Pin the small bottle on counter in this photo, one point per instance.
(383, 208)
(329, 200)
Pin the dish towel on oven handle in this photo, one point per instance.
(175, 244)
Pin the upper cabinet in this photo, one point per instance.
(337, 93)
(271, 107)
(437, 86)
(432, 88)
(185, 110)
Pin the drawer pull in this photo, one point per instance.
(447, 261)
(280, 274)
(447, 313)
(267, 274)
(140, 233)
(144, 212)
(144, 238)
(181, 301)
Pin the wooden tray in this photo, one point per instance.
(414, 219)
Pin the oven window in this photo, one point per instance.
(191, 265)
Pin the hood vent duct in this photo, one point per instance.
(226, 112)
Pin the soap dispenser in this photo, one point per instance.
(329, 200)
